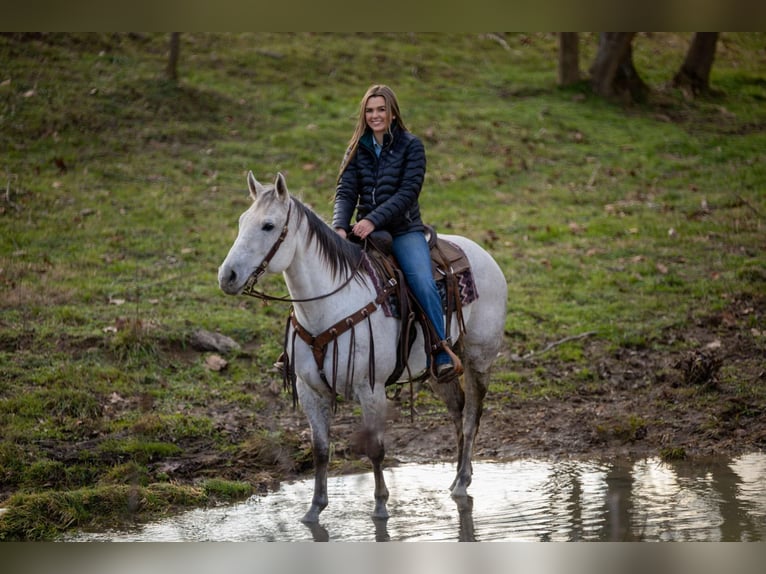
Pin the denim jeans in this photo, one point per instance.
(414, 257)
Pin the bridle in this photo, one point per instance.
(249, 288)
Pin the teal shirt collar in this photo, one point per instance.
(368, 140)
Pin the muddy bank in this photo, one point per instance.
(698, 391)
(701, 400)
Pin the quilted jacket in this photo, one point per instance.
(384, 190)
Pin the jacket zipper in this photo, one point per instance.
(377, 171)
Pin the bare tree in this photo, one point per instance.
(175, 47)
(612, 46)
(695, 71)
(569, 58)
(612, 72)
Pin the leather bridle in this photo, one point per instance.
(249, 288)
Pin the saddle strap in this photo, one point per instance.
(318, 343)
(452, 288)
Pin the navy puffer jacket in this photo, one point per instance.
(384, 190)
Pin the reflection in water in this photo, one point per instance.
(522, 500)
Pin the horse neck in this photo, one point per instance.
(309, 276)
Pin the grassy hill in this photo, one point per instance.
(620, 226)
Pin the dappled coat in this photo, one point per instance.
(384, 190)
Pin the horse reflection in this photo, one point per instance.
(318, 532)
(466, 530)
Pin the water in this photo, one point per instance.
(525, 500)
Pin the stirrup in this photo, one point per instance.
(457, 364)
(446, 375)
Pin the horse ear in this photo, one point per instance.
(253, 185)
(281, 186)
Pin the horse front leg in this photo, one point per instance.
(381, 490)
(374, 407)
(321, 460)
(317, 410)
(375, 450)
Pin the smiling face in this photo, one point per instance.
(378, 116)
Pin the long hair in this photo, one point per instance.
(393, 114)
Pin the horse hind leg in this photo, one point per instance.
(453, 395)
(475, 387)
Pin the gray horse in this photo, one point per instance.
(327, 284)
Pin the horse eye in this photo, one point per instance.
(268, 226)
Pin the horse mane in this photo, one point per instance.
(342, 256)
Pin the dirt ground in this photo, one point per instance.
(700, 403)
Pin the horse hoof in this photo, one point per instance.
(380, 513)
(311, 517)
(459, 488)
(459, 492)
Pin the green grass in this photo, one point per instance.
(121, 191)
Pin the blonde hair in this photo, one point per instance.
(393, 115)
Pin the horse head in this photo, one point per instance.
(262, 243)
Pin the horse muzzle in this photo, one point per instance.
(229, 281)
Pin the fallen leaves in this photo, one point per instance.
(576, 228)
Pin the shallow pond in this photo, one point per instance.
(525, 500)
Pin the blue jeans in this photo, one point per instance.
(414, 257)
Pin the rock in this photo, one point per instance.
(215, 363)
(202, 340)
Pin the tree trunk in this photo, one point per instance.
(627, 80)
(612, 72)
(175, 48)
(695, 71)
(569, 58)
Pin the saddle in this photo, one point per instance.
(446, 257)
(448, 263)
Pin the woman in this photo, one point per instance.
(381, 177)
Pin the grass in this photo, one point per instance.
(121, 193)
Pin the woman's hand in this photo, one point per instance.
(363, 228)
(340, 231)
